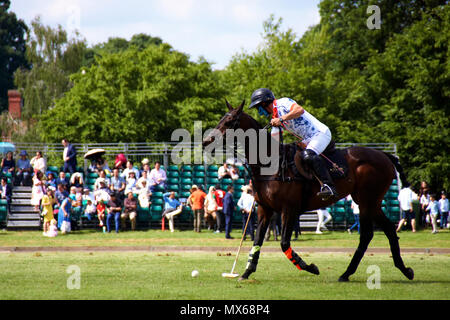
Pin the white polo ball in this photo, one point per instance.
(195, 274)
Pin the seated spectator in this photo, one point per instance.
(227, 171)
(5, 191)
(76, 180)
(130, 167)
(38, 163)
(117, 184)
(234, 173)
(120, 162)
(90, 209)
(145, 166)
(102, 164)
(144, 195)
(103, 193)
(102, 177)
(129, 211)
(87, 195)
(24, 169)
(172, 207)
(51, 180)
(113, 208)
(62, 179)
(157, 177)
(101, 208)
(130, 182)
(144, 177)
(8, 164)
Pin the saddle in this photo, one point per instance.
(291, 159)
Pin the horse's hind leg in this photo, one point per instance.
(286, 233)
(389, 230)
(264, 216)
(366, 235)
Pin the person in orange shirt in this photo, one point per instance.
(197, 200)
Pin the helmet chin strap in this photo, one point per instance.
(263, 112)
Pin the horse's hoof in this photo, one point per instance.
(242, 278)
(343, 279)
(409, 273)
(312, 268)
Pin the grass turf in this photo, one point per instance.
(138, 275)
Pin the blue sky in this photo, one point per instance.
(214, 29)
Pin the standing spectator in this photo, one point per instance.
(117, 184)
(197, 199)
(405, 197)
(60, 194)
(64, 212)
(5, 191)
(245, 204)
(47, 209)
(130, 211)
(23, 173)
(210, 208)
(69, 157)
(8, 164)
(323, 213)
(157, 177)
(172, 207)
(130, 167)
(228, 210)
(219, 195)
(355, 208)
(433, 207)
(38, 190)
(444, 208)
(114, 209)
(424, 199)
(62, 179)
(38, 162)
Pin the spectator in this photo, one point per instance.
(130, 211)
(60, 194)
(69, 157)
(245, 204)
(53, 230)
(38, 162)
(405, 197)
(210, 208)
(228, 210)
(424, 199)
(224, 171)
(101, 208)
(120, 162)
(64, 213)
(37, 191)
(172, 207)
(113, 209)
(48, 201)
(102, 193)
(144, 177)
(90, 209)
(144, 195)
(8, 164)
(87, 195)
(130, 167)
(323, 213)
(130, 182)
(117, 184)
(433, 207)
(197, 199)
(62, 179)
(5, 191)
(51, 180)
(76, 180)
(157, 177)
(23, 173)
(102, 164)
(444, 208)
(234, 173)
(102, 177)
(355, 208)
(145, 166)
(219, 195)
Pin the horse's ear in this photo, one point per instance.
(229, 105)
(241, 107)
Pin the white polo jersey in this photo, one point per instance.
(305, 126)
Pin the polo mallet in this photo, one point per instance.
(232, 274)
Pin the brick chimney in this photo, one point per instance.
(15, 104)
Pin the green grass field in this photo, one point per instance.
(167, 274)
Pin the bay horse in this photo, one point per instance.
(370, 173)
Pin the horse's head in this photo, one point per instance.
(231, 120)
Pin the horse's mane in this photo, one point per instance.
(255, 123)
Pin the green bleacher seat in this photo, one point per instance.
(3, 202)
(199, 174)
(212, 174)
(157, 194)
(186, 168)
(143, 214)
(173, 180)
(156, 212)
(199, 181)
(212, 181)
(199, 168)
(53, 169)
(185, 187)
(93, 175)
(173, 174)
(79, 169)
(172, 168)
(394, 203)
(339, 210)
(393, 188)
(158, 201)
(173, 187)
(186, 174)
(213, 168)
(7, 174)
(227, 181)
(240, 181)
(395, 182)
(186, 181)
(185, 194)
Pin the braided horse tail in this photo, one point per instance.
(396, 162)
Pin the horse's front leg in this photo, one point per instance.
(287, 226)
(264, 216)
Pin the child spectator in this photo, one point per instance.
(51, 180)
(64, 215)
(47, 209)
(433, 207)
(355, 208)
(130, 182)
(61, 194)
(444, 208)
(53, 230)
(219, 194)
(101, 207)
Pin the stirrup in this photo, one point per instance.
(326, 192)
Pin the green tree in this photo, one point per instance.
(53, 57)
(12, 50)
(134, 95)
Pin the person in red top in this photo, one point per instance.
(197, 199)
(219, 194)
